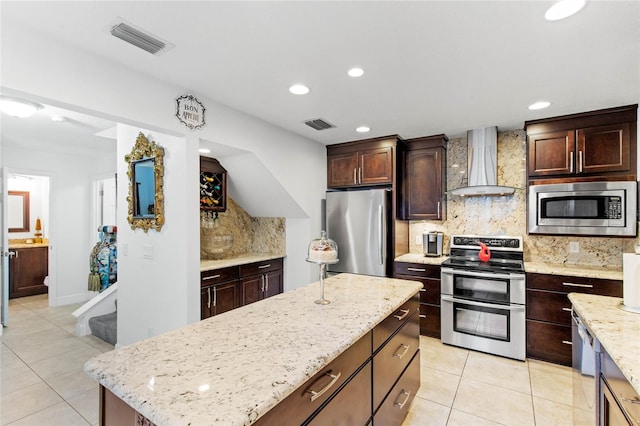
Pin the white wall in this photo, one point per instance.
(154, 294)
(69, 227)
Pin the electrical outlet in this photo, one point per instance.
(418, 240)
(574, 247)
(147, 252)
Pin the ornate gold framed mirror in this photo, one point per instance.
(146, 192)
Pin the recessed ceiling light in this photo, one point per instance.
(563, 9)
(204, 151)
(57, 118)
(299, 89)
(539, 105)
(18, 107)
(362, 129)
(355, 72)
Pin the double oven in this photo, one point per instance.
(483, 301)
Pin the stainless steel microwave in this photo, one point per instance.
(583, 208)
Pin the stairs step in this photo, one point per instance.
(105, 327)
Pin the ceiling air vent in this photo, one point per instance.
(139, 38)
(319, 124)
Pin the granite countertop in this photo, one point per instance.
(27, 245)
(618, 331)
(208, 265)
(420, 258)
(609, 273)
(232, 368)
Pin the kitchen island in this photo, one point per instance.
(234, 368)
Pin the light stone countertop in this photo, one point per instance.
(208, 265)
(618, 331)
(27, 245)
(420, 258)
(232, 368)
(609, 273)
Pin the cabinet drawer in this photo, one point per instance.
(549, 306)
(430, 291)
(298, 406)
(430, 320)
(260, 267)
(351, 406)
(396, 406)
(417, 270)
(394, 356)
(216, 276)
(393, 322)
(567, 284)
(549, 342)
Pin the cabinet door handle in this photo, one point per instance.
(402, 316)
(317, 394)
(11, 254)
(566, 309)
(567, 342)
(355, 178)
(578, 285)
(406, 395)
(268, 265)
(571, 162)
(215, 296)
(212, 277)
(262, 283)
(359, 175)
(438, 211)
(416, 270)
(209, 298)
(266, 283)
(404, 348)
(422, 316)
(580, 160)
(423, 289)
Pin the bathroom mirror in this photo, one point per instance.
(18, 211)
(146, 194)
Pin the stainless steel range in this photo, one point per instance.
(483, 295)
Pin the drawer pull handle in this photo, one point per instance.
(264, 266)
(423, 289)
(566, 309)
(634, 400)
(416, 270)
(567, 342)
(404, 314)
(212, 277)
(578, 285)
(406, 395)
(422, 316)
(404, 348)
(334, 378)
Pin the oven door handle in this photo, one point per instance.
(481, 304)
(450, 271)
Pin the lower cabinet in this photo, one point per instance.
(396, 406)
(549, 312)
(28, 268)
(224, 289)
(429, 275)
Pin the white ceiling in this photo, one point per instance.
(430, 67)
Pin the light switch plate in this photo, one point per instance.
(147, 252)
(418, 240)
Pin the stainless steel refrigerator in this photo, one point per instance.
(358, 221)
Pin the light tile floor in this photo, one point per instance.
(42, 380)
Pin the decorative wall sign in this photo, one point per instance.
(190, 111)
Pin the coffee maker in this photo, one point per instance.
(432, 243)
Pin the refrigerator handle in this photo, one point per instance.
(381, 234)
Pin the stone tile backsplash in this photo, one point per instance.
(506, 215)
(251, 234)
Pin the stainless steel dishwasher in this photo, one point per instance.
(586, 365)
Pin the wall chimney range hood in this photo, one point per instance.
(482, 161)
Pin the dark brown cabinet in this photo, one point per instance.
(598, 143)
(219, 291)
(549, 312)
(260, 280)
(28, 268)
(369, 162)
(424, 178)
(429, 276)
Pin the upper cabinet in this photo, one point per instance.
(362, 163)
(424, 179)
(597, 143)
(213, 185)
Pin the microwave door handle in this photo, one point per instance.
(483, 305)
